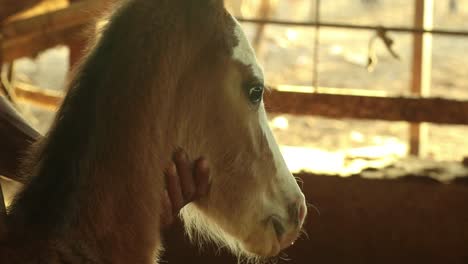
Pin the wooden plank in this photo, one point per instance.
(48, 99)
(29, 47)
(29, 36)
(331, 105)
(416, 109)
(42, 7)
(75, 14)
(11, 7)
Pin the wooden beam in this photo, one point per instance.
(29, 36)
(29, 47)
(48, 99)
(11, 7)
(331, 105)
(416, 109)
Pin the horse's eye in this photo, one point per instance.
(256, 94)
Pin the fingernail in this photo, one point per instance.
(172, 169)
(180, 154)
(203, 164)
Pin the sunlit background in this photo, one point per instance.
(298, 57)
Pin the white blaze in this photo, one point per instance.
(245, 54)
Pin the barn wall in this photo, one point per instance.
(409, 220)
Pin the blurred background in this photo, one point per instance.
(334, 47)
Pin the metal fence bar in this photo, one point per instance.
(462, 33)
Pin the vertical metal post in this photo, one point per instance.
(422, 63)
(315, 80)
(264, 12)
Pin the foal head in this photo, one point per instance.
(255, 205)
(191, 79)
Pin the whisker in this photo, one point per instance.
(304, 232)
(309, 205)
(300, 181)
(272, 260)
(284, 256)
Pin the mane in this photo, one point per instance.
(110, 127)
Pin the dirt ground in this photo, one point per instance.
(287, 55)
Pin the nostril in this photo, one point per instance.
(279, 229)
(297, 212)
(293, 211)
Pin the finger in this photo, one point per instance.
(184, 171)
(173, 189)
(167, 217)
(202, 177)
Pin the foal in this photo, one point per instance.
(162, 73)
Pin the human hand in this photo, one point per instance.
(185, 182)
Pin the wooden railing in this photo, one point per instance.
(27, 37)
(326, 103)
